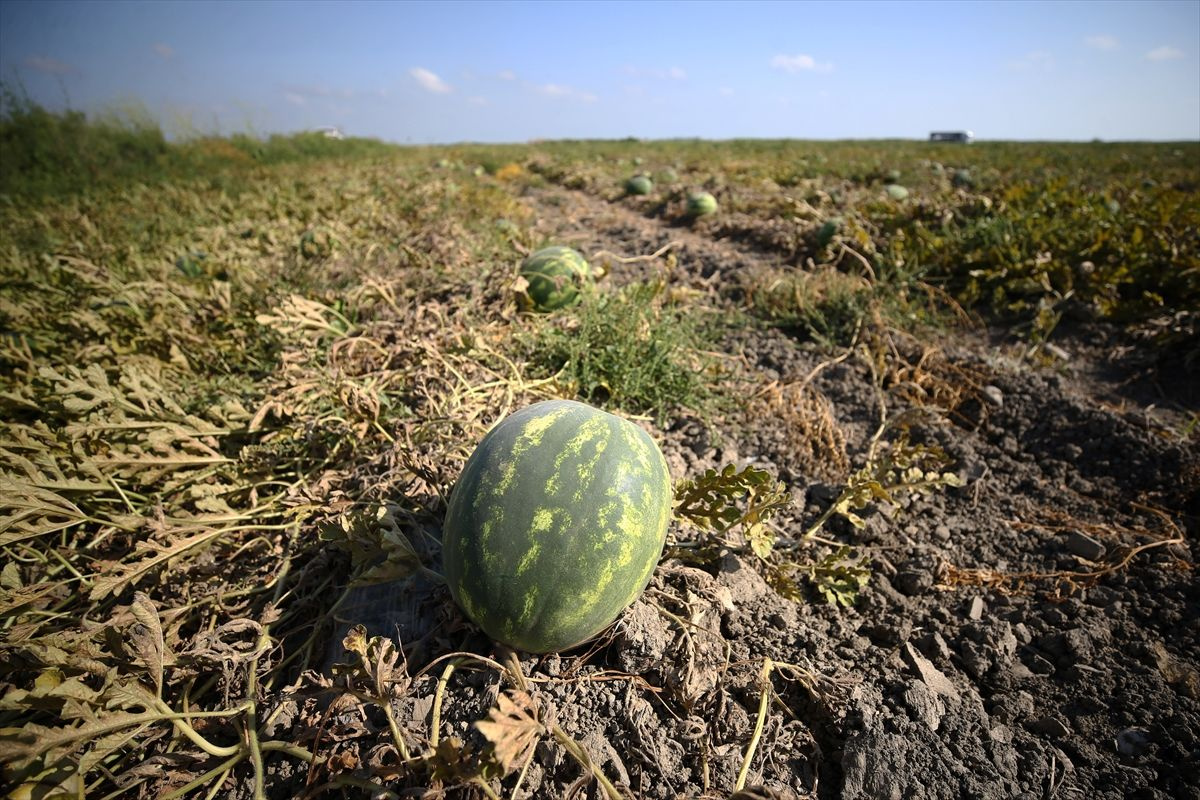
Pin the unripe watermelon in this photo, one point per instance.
(827, 231)
(700, 204)
(555, 275)
(639, 184)
(555, 525)
(897, 192)
(963, 178)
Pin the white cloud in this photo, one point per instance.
(164, 50)
(429, 81)
(1102, 41)
(295, 98)
(478, 100)
(800, 62)
(558, 90)
(671, 73)
(50, 66)
(506, 75)
(1164, 53)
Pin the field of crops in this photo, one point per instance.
(935, 453)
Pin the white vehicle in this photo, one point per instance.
(966, 137)
(330, 132)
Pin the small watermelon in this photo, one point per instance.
(639, 184)
(668, 175)
(893, 176)
(555, 275)
(962, 178)
(700, 204)
(897, 192)
(555, 525)
(827, 231)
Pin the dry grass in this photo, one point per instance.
(804, 418)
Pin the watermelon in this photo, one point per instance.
(896, 191)
(555, 525)
(827, 231)
(668, 175)
(639, 184)
(963, 178)
(555, 275)
(701, 203)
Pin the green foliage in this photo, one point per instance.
(898, 468)
(42, 152)
(1116, 226)
(714, 502)
(629, 350)
(838, 577)
(827, 305)
(52, 154)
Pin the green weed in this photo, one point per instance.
(629, 350)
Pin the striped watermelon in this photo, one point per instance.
(701, 204)
(555, 275)
(639, 184)
(555, 525)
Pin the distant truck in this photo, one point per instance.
(966, 137)
(330, 132)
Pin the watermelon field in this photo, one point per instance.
(930, 415)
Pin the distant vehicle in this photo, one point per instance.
(966, 137)
(330, 132)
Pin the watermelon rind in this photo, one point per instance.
(555, 525)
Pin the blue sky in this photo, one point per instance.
(495, 71)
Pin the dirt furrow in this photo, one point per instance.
(1029, 634)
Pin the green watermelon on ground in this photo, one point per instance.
(555, 276)
(556, 525)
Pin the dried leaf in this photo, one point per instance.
(146, 638)
(512, 728)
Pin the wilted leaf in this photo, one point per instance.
(356, 641)
(512, 728)
(146, 637)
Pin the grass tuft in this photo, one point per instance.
(631, 350)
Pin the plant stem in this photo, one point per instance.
(264, 642)
(206, 777)
(579, 754)
(436, 723)
(764, 680)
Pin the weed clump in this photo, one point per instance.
(631, 350)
